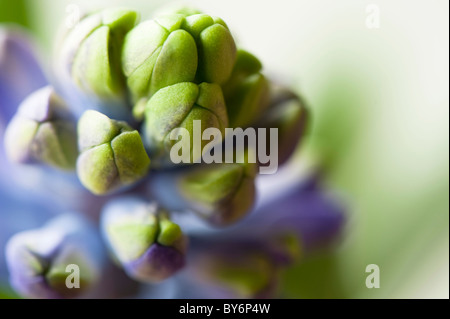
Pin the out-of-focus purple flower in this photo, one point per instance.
(244, 268)
(306, 209)
(17, 215)
(143, 239)
(38, 260)
(246, 260)
(20, 73)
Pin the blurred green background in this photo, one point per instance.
(380, 103)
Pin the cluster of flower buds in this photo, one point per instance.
(121, 88)
(40, 260)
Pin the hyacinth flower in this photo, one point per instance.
(89, 61)
(244, 269)
(247, 91)
(220, 194)
(43, 130)
(181, 106)
(175, 48)
(147, 233)
(148, 50)
(38, 259)
(19, 216)
(143, 239)
(216, 47)
(287, 113)
(40, 207)
(112, 154)
(20, 75)
(247, 262)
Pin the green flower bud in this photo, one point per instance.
(91, 53)
(221, 193)
(144, 240)
(246, 268)
(288, 247)
(247, 91)
(176, 48)
(112, 154)
(216, 47)
(43, 130)
(249, 274)
(158, 54)
(131, 235)
(178, 106)
(288, 113)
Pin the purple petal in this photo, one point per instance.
(37, 259)
(20, 72)
(231, 269)
(16, 215)
(306, 209)
(303, 209)
(156, 264)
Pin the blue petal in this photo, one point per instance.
(16, 215)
